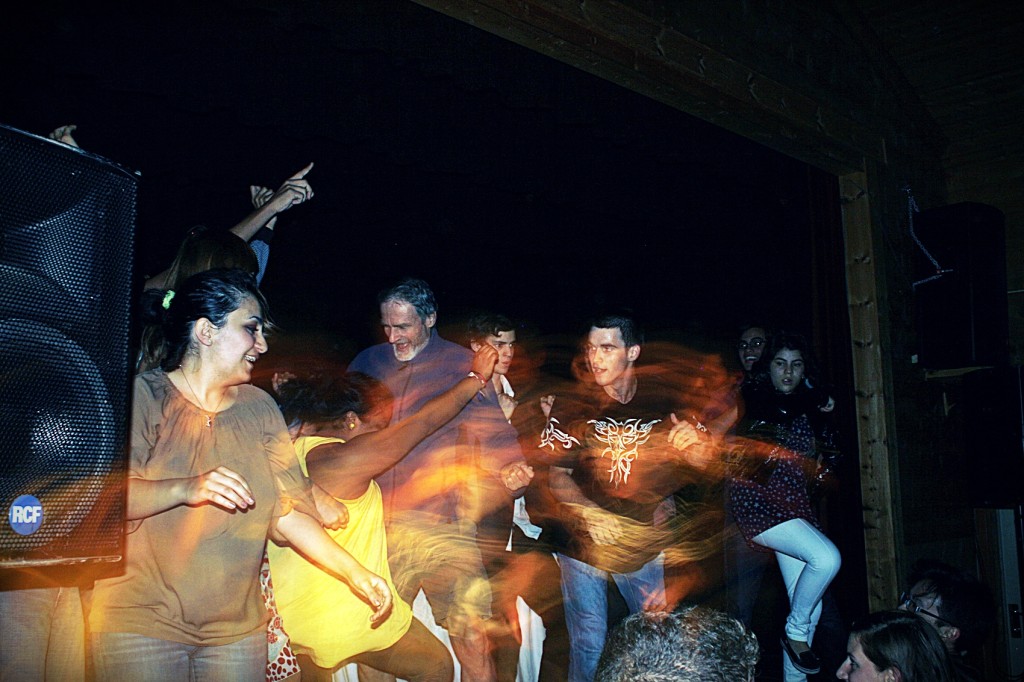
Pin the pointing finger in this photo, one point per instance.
(302, 173)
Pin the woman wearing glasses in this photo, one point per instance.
(750, 346)
(745, 567)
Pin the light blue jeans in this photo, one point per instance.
(808, 561)
(119, 656)
(585, 593)
(44, 634)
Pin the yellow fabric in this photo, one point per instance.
(321, 615)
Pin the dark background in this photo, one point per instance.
(507, 180)
(504, 178)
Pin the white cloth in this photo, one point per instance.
(529, 653)
(520, 516)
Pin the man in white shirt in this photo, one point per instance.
(516, 537)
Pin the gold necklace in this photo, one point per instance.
(209, 415)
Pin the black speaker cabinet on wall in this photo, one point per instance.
(67, 221)
(962, 316)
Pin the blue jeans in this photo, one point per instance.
(585, 594)
(808, 561)
(44, 634)
(119, 656)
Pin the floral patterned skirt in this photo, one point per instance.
(281, 662)
(758, 506)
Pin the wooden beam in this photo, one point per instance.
(876, 470)
(634, 50)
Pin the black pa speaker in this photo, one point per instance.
(962, 315)
(67, 220)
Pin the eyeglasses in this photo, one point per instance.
(755, 342)
(909, 602)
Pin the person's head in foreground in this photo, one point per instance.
(954, 602)
(895, 646)
(697, 643)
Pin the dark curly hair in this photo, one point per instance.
(213, 295)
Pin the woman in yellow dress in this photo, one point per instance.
(343, 440)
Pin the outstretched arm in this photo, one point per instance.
(345, 469)
(295, 190)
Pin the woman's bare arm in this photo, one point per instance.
(346, 469)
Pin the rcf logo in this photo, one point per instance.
(25, 515)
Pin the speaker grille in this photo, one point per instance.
(66, 232)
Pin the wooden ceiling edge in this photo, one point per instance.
(560, 31)
(889, 70)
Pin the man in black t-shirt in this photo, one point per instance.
(618, 451)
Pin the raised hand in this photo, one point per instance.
(546, 403)
(484, 361)
(280, 379)
(508, 404)
(683, 433)
(222, 487)
(295, 190)
(695, 442)
(260, 196)
(63, 134)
